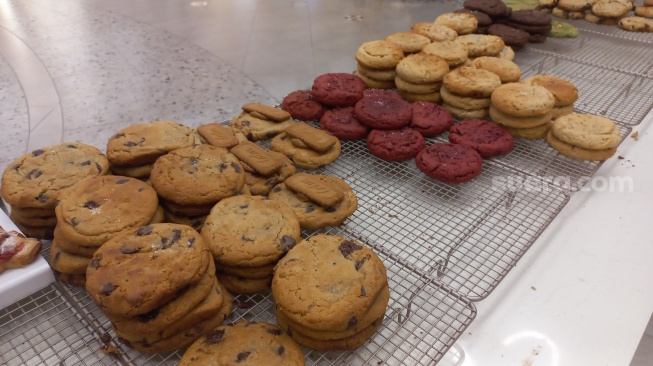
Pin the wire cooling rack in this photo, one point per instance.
(60, 325)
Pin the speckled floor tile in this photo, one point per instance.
(14, 120)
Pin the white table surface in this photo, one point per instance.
(583, 293)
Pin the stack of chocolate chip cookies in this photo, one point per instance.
(157, 285)
(133, 150)
(306, 146)
(261, 122)
(584, 136)
(376, 63)
(91, 212)
(191, 180)
(564, 92)
(331, 293)
(247, 235)
(524, 110)
(30, 183)
(466, 92)
(419, 77)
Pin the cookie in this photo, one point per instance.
(602, 21)
(68, 247)
(256, 128)
(483, 19)
(379, 55)
(449, 162)
(186, 210)
(408, 42)
(219, 135)
(395, 145)
(611, 8)
(434, 32)
(587, 131)
(493, 8)
(454, 53)
(422, 68)
(48, 221)
(518, 122)
(139, 270)
(138, 172)
(376, 75)
(465, 113)
(507, 53)
(303, 156)
(558, 112)
(302, 106)
(522, 100)
(95, 209)
(430, 119)
(513, 37)
(338, 89)
(383, 112)
(310, 213)
(533, 133)
(260, 185)
(579, 153)
(532, 29)
(265, 271)
(531, 17)
(347, 343)
(537, 38)
(487, 138)
(250, 231)
(314, 138)
(506, 70)
(574, 5)
(250, 343)
(471, 82)
(77, 280)
(414, 97)
(636, 24)
(196, 222)
(63, 262)
(564, 92)
(198, 175)
(482, 44)
(33, 180)
(564, 14)
(644, 11)
(343, 276)
(462, 23)
(242, 285)
(342, 123)
(143, 143)
(374, 83)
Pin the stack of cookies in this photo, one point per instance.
(466, 92)
(247, 235)
(306, 146)
(479, 45)
(264, 169)
(91, 212)
(571, 9)
(462, 23)
(30, 183)
(645, 11)
(608, 12)
(331, 293)
(564, 92)
(454, 53)
(506, 70)
(157, 285)
(434, 32)
(261, 122)
(409, 42)
(419, 77)
(134, 149)
(536, 23)
(191, 180)
(523, 109)
(584, 136)
(376, 63)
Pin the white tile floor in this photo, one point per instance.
(81, 70)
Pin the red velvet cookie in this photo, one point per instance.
(487, 138)
(449, 162)
(401, 144)
(342, 124)
(338, 89)
(383, 111)
(381, 93)
(302, 106)
(430, 119)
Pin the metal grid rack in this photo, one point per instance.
(422, 321)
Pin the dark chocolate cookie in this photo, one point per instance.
(449, 162)
(537, 38)
(483, 19)
(342, 124)
(338, 89)
(513, 37)
(532, 29)
(302, 106)
(493, 8)
(396, 145)
(430, 119)
(531, 17)
(487, 138)
(384, 112)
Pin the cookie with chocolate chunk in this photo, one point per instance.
(250, 343)
(318, 200)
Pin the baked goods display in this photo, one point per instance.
(17, 251)
(92, 211)
(331, 293)
(622, 13)
(246, 236)
(31, 182)
(584, 136)
(524, 109)
(244, 343)
(466, 92)
(264, 169)
(308, 147)
(376, 63)
(419, 77)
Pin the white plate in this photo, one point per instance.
(19, 282)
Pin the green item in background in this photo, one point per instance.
(522, 4)
(563, 30)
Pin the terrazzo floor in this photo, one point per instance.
(73, 70)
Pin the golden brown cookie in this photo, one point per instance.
(482, 44)
(636, 24)
(302, 155)
(434, 32)
(454, 53)
(462, 23)
(417, 88)
(506, 70)
(409, 42)
(219, 135)
(374, 83)
(644, 11)
(379, 75)
(519, 122)
(379, 55)
(422, 68)
(466, 113)
(533, 133)
(587, 131)
(466, 103)
(256, 128)
(580, 153)
(63, 262)
(415, 97)
(522, 100)
(611, 8)
(471, 82)
(242, 285)
(558, 112)
(564, 92)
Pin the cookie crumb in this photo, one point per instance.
(533, 288)
(620, 157)
(635, 135)
(109, 350)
